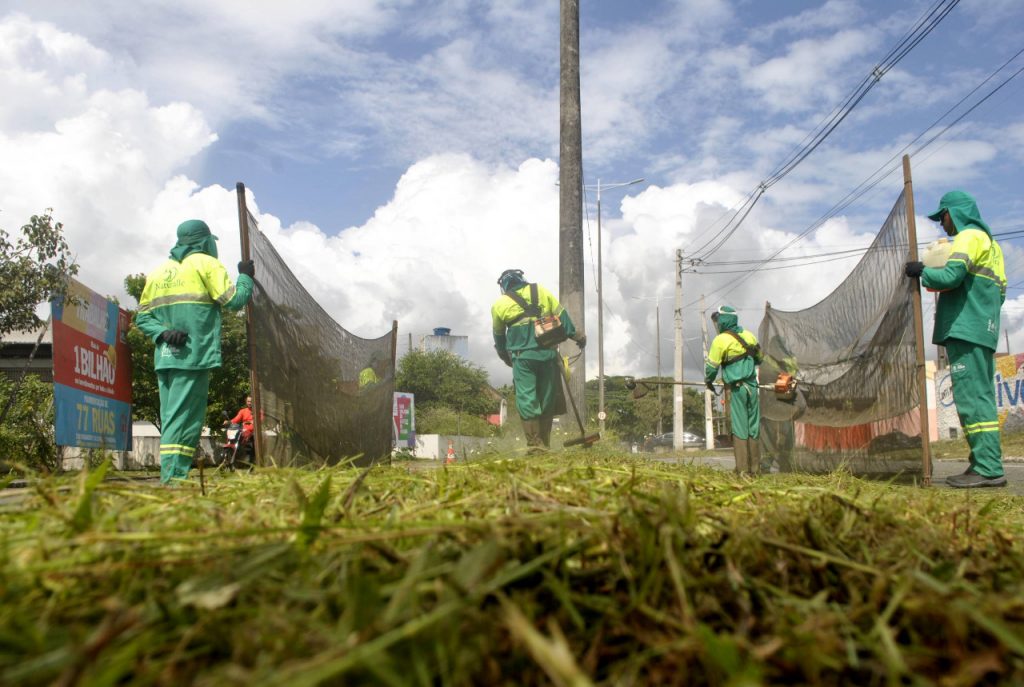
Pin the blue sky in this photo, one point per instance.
(401, 153)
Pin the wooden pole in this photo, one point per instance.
(922, 377)
(254, 379)
(570, 194)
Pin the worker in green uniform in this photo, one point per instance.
(535, 364)
(180, 311)
(736, 351)
(972, 288)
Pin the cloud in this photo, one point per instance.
(809, 72)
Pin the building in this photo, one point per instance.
(442, 340)
(16, 353)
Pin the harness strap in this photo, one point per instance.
(529, 309)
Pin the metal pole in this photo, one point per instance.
(254, 378)
(922, 378)
(570, 177)
(709, 430)
(677, 390)
(600, 319)
(657, 342)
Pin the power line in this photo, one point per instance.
(853, 195)
(924, 26)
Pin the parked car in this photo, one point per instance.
(667, 440)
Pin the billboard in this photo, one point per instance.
(403, 414)
(1009, 385)
(92, 373)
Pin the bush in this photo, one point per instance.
(432, 418)
(26, 436)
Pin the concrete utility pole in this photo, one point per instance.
(570, 190)
(709, 430)
(677, 388)
(657, 348)
(600, 300)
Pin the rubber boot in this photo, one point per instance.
(545, 422)
(534, 444)
(739, 450)
(754, 455)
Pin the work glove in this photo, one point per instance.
(505, 357)
(248, 268)
(581, 340)
(173, 337)
(710, 386)
(913, 269)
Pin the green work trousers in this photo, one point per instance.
(745, 409)
(972, 371)
(538, 388)
(182, 414)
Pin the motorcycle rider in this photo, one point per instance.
(243, 418)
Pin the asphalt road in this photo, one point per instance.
(941, 469)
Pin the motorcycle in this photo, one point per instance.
(239, 447)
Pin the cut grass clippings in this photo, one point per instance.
(573, 569)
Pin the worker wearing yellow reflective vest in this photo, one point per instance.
(736, 351)
(535, 368)
(180, 310)
(972, 288)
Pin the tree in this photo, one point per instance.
(633, 418)
(442, 378)
(26, 435)
(33, 270)
(229, 383)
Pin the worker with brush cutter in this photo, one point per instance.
(736, 351)
(528, 324)
(972, 288)
(180, 311)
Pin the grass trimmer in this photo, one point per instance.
(585, 440)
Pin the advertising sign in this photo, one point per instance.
(1009, 388)
(403, 416)
(92, 373)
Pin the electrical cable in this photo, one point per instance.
(911, 39)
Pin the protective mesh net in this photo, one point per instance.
(325, 394)
(853, 355)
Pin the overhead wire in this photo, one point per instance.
(925, 25)
(864, 187)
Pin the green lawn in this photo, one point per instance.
(573, 569)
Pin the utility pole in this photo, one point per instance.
(1006, 332)
(709, 430)
(657, 348)
(600, 301)
(677, 388)
(570, 193)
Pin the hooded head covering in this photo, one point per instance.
(963, 210)
(194, 237)
(726, 319)
(510, 280)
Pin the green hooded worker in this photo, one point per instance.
(180, 310)
(972, 288)
(736, 351)
(535, 366)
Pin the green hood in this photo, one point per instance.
(194, 237)
(963, 210)
(727, 319)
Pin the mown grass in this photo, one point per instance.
(573, 569)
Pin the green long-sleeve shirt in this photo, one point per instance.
(972, 288)
(188, 296)
(514, 333)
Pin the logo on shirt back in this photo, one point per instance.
(170, 279)
(992, 326)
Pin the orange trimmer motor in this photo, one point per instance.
(785, 387)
